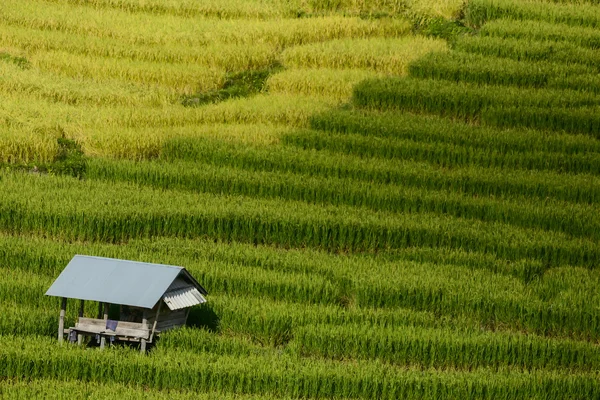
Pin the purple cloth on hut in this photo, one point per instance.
(111, 324)
(72, 336)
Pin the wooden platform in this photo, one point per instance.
(124, 330)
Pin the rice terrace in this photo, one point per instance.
(368, 199)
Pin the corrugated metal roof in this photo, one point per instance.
(116, 281)
(183, 297)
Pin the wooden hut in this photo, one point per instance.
(152, 298)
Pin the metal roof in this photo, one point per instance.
(116, 281)
(183, 298)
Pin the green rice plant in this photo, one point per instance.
(584, 120)
(468, 67)
(433, 129)
(468, 296)
(77, 210)
(329, 83)
(478, 12)
(442, 154)
(475, 181)
(52, 389)
(282, 375)
(389, 56)
(529, 50)
(541, 31)
(461, 100)
(444, 348)
(576, 220)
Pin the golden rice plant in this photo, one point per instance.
(142, 28)
(182, 77)
(147, 143)
(390, 56)
(26, 147)
(56, 88)
(328, 83)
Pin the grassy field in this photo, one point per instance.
(384, 199)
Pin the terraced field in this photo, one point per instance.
(384, 199)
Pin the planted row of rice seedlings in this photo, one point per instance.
(74, 91)
(442, 154)
(585, 14)
(330, 83)
(282, 374)
(77, 210)
(461, 100)
(574, 219)
(467, 67)
(444, 348)
(540, 30)
(529, 50)
(390, 56)
(157, 29)
(433, 129)
(584, 120)
(580, 188)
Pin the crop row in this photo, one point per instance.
(471, 180)
(444, 348)
(281, 375)
(232, 57)
(390, 56)
(78, 210)
(467, 101)
(61, 89)
(336, 84)
(435, 130)
(478, 12)
(577, 220)
(466, 67)
(442, 154)
(332, 289)
(425, 347)
(83, 121)
(53, 389)
(460, 99)
(540, 30)
(143, 28)
(529, 50)
(251, 9)
(184, 78)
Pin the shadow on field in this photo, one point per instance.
(203, 317)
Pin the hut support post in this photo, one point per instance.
(61, 319)
(156, 319)
(144, 326)
(80, 336)
(99, 310)
(103, 338)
